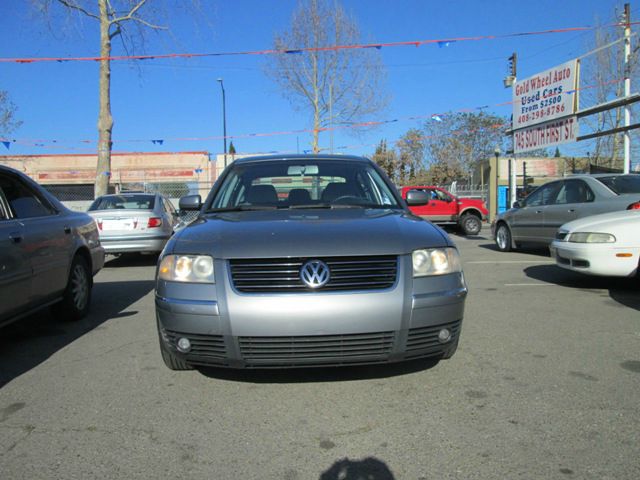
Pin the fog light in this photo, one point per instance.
(184, 345)
(444, 335)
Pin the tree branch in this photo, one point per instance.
(74, 6)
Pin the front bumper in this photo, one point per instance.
(226, 328)
(595, 259)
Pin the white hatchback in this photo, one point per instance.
(607, 245)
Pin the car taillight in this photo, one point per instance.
(99, 222)
(154, 222)
(634, 206)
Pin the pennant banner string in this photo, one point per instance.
(416, 43)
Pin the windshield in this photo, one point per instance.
(303, 184)
(126, 202)
(622, 184)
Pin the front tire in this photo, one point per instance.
(503, 238)
(470, 224)
(77, 295)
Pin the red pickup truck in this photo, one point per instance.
(445, 208)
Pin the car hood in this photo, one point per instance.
(605, 222)
(303, 233)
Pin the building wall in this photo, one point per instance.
(125, 167)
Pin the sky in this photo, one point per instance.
(179, 101)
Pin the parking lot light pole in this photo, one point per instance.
(224, 122)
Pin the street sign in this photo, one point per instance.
(546, 96)
(546, 134)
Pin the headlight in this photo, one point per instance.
(586, 237)
(435, 261)
(187, 268)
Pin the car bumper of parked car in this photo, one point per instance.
(596, 259)
(134, 244)
(226, 328)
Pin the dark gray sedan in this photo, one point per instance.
(307, 261)
(134, 222)
(48, 254)
(537, 218)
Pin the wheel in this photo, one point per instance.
(77, 295)
(503, 238)
(470, 224)
(170, 360)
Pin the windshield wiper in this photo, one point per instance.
(242, 208)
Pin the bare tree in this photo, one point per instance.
(456, 142)
(113, 17)
(8, 121)
(602, 75)
(338, 86)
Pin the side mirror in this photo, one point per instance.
(516, 205)
(191, 203)
(417, 197)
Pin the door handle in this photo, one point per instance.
(16, 237)
(538, 211)
(67, 229)
(571, 210)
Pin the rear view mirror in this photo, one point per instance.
(300, 170)
(191, 203)
(417, 197)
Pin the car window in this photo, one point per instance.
(126, 202)
(574, 191)
(545, 195)
(291, 184)
(23, 201)
(622, 184)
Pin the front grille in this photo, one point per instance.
(317, 349)
(423, 340)
(283, 274)
(204, 348)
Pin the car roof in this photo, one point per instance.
(303, 157)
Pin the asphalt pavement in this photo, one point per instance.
(545, 384)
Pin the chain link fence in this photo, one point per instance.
(80, 197)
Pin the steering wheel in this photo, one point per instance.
(350, 198)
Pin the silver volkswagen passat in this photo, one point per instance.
(307, 261)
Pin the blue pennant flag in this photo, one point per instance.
(7, 145)
(158, 142)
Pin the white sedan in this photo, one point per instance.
(607, 245)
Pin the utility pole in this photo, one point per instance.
(627, 86)
(224, 121)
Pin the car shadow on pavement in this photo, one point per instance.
(625, 291)
(527, 249)
(320, 374)
(130, 260)
(369, 468)
(30, 341)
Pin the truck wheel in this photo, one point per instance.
(470, 224)
(503, 238)
(77, 295)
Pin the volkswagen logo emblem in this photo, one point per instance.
(315, 274)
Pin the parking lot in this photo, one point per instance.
(545, 384)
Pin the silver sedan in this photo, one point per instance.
(48, 254)
(134, 222)
(537, 219)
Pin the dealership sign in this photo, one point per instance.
(546, 96)
(544, 135)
